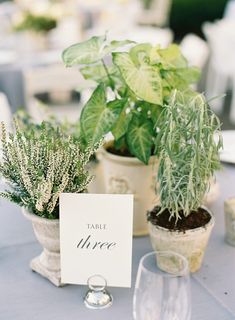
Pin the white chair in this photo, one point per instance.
(56, 80)
(106, 14)
(140, 34)
(195, 50)
(49, 78)
(145, 34)
(221, 71)
(229, 12)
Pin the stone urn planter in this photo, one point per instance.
(47, 233)
(190, 243)
(128, 175)
(229, 217)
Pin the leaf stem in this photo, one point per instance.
(111, 82)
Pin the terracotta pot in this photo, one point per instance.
(128, 175)
(191, 243)
(229, 216)
(47, 233)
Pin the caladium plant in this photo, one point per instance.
(140, 78)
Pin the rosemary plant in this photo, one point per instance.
(40, 163)
(188, 153)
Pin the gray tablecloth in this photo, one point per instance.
(25, 295)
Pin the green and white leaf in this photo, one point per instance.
(97, 72)
(139, 138)
(94, 72)
(173, 56)
(144, 80)
(179, 78)
(90, 51)
(149, 110)
(154, 55)
(190, 75)
(122, 123)
(86, 52)
(98, 118)
(120, 144)
(140, 53)
(115, 45)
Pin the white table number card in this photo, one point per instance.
(96, 237)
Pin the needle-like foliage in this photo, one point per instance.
(188, 153)
(39, 164)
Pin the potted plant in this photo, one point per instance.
(188, 158)
(39, 163)
(131, 86)
(70, 129)
(229, 220)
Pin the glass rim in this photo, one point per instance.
(183, 272)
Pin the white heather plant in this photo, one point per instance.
(40, 163)
(188, 153)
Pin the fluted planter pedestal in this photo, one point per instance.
(47, 233)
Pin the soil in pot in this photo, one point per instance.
(121, 152)
(124, 152)
(195, 220)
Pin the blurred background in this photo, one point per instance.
(33, 34)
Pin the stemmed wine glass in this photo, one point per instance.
(162, 290)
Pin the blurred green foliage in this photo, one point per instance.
(36, 23)
(147, 4)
